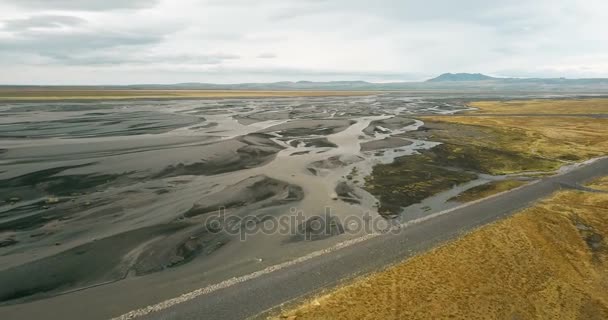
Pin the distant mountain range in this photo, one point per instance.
(461, 77)
(283, 85)
(482, 78)
(444, 82)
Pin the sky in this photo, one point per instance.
(92, 42)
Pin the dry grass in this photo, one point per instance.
(488, 189)
(544, 106)
(564, 138)
(60, 94)
(547, 262)
(599, 184)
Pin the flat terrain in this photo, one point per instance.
(549, 261)
(554, 138)
(102, 198)
(61, 94)
(543, 106)
(246, 298)
(116, 194)
(518, 148)
(560, 239)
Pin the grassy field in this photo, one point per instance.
(555, 138)
(543, 106)
(569, 138)
(61, 94)
(494, 145)
(409, 180)
(549, 261)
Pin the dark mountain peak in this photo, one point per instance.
(461, 77)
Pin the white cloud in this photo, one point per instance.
(63, 41)
(84, 5)
(267, 55)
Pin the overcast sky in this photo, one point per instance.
(229, 41)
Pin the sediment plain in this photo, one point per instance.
(109, 194)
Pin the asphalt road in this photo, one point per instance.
(259, 294)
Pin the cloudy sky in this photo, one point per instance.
(229, 41)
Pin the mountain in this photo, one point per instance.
(282, 85)
(448, 82)
(447, 77)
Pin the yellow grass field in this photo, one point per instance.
(543, 106)
(565, 138)
(60, 94)
(549, 261)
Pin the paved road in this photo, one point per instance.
(251, 297)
